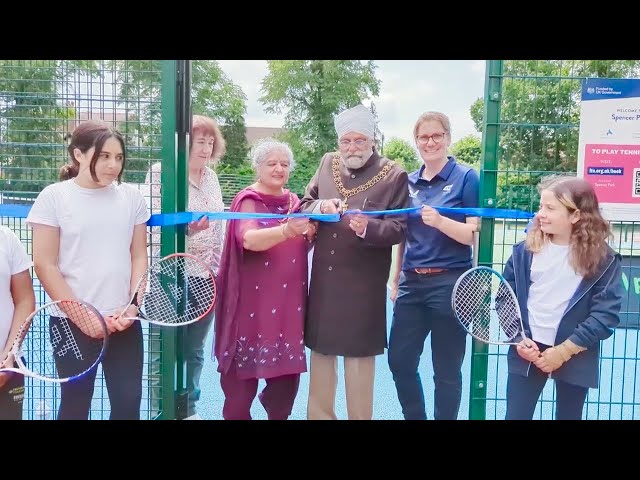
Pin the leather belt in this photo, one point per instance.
(429, 270)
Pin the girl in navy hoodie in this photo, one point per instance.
(569, 285)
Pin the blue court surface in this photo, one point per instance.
(613, 400)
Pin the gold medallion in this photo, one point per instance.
(335, 168)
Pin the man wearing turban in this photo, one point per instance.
(346, 314)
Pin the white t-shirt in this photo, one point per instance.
(13, 260)
(553, 283)
(96, 230)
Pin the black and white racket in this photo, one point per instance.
(59, 342)
(176, 290)
(487, 308)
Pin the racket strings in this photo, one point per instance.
(180, 290)
(486, 308)
(62, 340)
(508, 311)
(81, 316)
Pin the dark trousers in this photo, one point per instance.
(423, 307)
(277, 397)
(11, 397)
(523, 394)
(122, 368)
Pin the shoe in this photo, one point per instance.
(193, 417)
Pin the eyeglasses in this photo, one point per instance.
(347, 143)
(436, 137)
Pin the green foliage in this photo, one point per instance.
(477, 113)
(40, 99)
(468, 150)
(138, 96)
(306, 162)
(33, 120)
(237, 157)
(540, 117)
(312, 92)
(403, 152)
(213, 95)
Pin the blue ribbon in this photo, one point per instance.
(180, 218)
(166, 219)
(14, 210)
(470, 212)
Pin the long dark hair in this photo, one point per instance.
(89, 134)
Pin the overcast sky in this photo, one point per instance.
(409, 87)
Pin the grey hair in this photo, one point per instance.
(267, 145)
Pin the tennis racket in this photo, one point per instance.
(486, 307)
(176, 290)
(59, 342)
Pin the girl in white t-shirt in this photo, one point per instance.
(89, 243)
(17, 301)
(569, 285)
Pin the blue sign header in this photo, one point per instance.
(610, 88)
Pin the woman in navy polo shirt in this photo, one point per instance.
(436, 252)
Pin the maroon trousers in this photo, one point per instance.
(276, 397)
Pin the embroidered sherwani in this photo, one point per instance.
(346, 313)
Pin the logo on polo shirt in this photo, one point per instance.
(447, 188)
(413, 193)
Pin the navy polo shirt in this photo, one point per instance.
(455, 186)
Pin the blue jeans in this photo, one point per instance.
(195, 337)
(423, 306)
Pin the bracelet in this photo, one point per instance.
(283, 230)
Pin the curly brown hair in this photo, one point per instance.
(589, 235)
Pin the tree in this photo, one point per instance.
(468, 150)
(40, 100)
(477, 113)
(34, 119)
(540, 115)
(236, 160)
(216, 96)
(402, 152)
(311, 93)
(213, 95)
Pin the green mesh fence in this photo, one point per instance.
(41, 102)
(530, 129)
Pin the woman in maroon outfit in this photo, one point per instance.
(262, 299)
